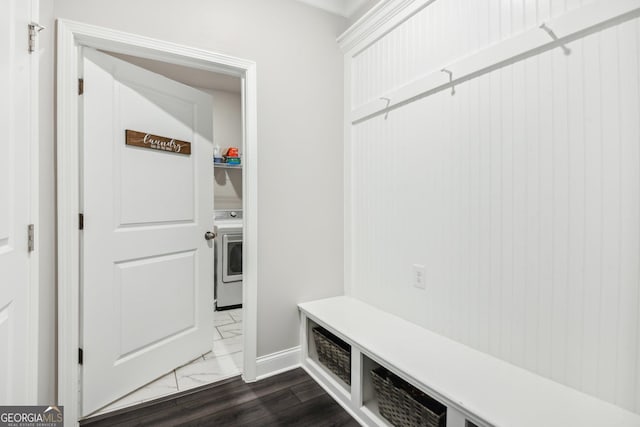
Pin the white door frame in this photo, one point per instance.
(71, 36)
(34, 214)
(33, 281)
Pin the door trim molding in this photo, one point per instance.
(34, 316)
(71, 36)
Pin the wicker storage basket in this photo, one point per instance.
(333, 353)
(403, 405)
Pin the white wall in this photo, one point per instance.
(227, 119)
(520, 194)
(300, 82)
(227, 132)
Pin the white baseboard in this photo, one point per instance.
(275, 363)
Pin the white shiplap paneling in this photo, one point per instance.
(442, 32)
(520, 195)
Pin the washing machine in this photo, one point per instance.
(228, 259)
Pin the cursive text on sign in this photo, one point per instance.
(156, 142)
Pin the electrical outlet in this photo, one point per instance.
(419, 279)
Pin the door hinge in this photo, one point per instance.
(81, 221)
(30, 238)
(34, 29)
(80, 356)
(80, 86)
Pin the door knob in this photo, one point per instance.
(209, 235)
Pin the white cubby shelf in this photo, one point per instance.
(477, 388)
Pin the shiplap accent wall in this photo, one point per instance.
(442, 32)
(520, 194)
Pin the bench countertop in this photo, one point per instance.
(500, 393)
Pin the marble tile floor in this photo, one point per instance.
(224, 361)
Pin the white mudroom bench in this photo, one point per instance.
(475, 387)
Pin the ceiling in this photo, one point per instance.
(346, 8)
(201, 79)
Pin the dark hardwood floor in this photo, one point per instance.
(288, 399)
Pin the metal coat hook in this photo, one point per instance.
(453, 88)
(549, 31)
(386, 114)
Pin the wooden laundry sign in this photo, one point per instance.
(155, 142)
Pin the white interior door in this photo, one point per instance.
(147, 270)
(14, 203)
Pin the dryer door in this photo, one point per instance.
(231, 257)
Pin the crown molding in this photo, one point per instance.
(379, 20)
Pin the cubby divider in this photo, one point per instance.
(359, 396)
